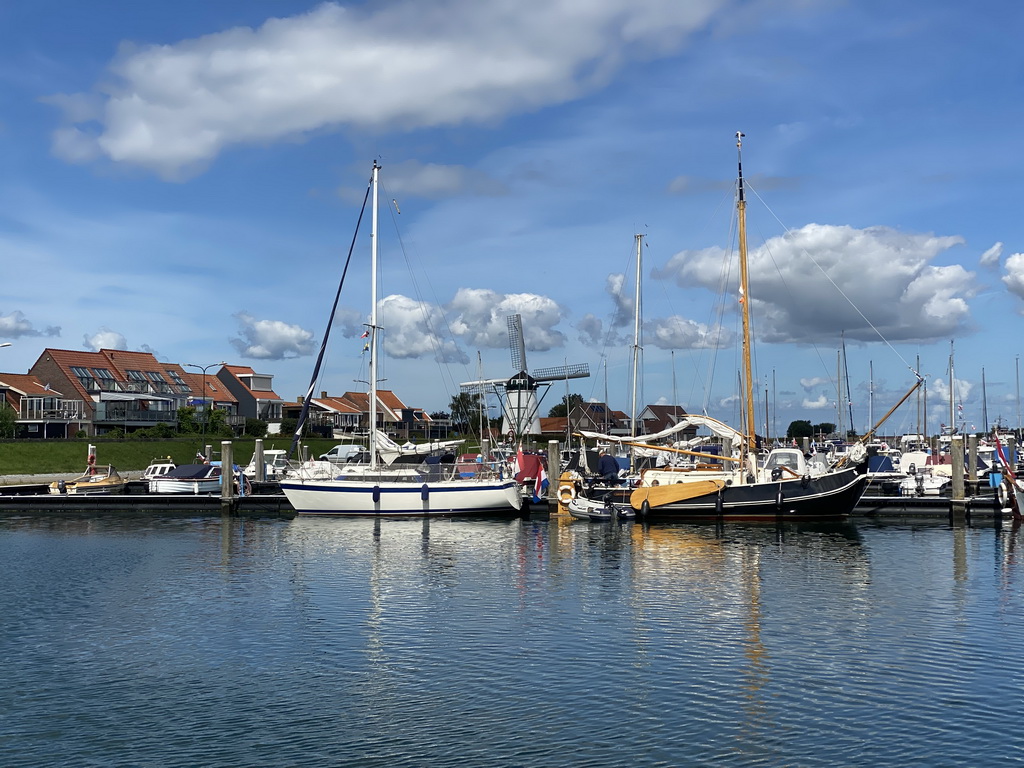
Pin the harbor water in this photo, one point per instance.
(142, 641)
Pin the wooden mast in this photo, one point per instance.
(749, 427)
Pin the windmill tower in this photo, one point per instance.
(518, 395)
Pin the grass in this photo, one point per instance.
(32, 457)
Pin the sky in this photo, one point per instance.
(185, 178)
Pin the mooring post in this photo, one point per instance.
(972, 462)
(227, 478)
(257, 457)
(554, 471)
(956, 456)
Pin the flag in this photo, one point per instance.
(366, 347)
(540, 485)
(365, 334)
(517, 465)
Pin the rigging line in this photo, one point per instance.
(330, 321)
(836, 286)
(437, 345)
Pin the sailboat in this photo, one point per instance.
(381, 487)
(782, 488)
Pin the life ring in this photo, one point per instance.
(91, 461)
(566, 492)
(511, 436)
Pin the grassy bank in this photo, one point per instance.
(30, 457)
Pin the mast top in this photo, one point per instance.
(739, 164)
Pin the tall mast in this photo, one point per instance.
(636, 330)
(952, 383)
(373, 322)
(749, 426)
(984, 402)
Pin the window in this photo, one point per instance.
(176, 378)
(135, 375)
(84, 377)
(106, 379)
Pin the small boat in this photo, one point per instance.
(95, 481)
(599, 510)
(275, 464)
(157, 468)
(193, 479)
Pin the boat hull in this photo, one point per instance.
(363, 497)
(193, 487)
(827, 497)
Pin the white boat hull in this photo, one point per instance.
(365, 497)
(193, 487)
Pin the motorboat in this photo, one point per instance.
(194, 479)
(95, 481)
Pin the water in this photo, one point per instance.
(316, 642)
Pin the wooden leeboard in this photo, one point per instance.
(658, 495)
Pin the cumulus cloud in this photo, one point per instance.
(271, 339)
(886, 274)
(677, 332)
(1014, 277)
(105, 338)
(415, 329)
(15, 326)
(173, 108)
(817, 381)
(990, 258)
(479, 318)
(817, 404)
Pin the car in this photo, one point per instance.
(343, 453)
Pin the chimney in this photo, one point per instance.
(323, 395)
(301, 397)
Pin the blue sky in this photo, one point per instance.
(184, 178)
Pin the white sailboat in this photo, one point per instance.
(384, 488)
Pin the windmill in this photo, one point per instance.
(520, 404)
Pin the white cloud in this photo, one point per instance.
(173, 108)
(415, 329)
(990, 258)
(817, 404)
(271, 339)
(480, 319)
(1014, 277)
(886, 275)
(105, 338)
(677, 332)
(15, 326)
(817, 381)
(433, 181)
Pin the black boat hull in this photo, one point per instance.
(828, 497)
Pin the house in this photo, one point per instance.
(42, 412)
(599, 417)
(253, 391)
(350, 413)
(656, 418)
(116, 389)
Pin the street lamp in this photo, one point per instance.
(204, 369)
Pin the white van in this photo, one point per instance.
(343, 453)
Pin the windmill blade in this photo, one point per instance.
(516, 343)
(558, 372)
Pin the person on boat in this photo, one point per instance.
(608, 468)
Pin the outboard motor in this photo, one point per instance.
(62, 487)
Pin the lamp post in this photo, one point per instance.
(204, 369)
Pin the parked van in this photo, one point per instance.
(343, 453)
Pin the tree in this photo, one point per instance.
(187, 424)
(466, 411)
(824, 429)
(442, 415)
(564, 408)
(8, 420)
(799, 429)
(256, 427)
